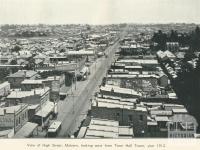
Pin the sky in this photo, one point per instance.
(99, 11)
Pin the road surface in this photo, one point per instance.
(72, 110)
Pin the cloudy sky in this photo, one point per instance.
(98, 11)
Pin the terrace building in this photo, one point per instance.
(16, 78)
(104, 128)
(127, 113)
(12, 119)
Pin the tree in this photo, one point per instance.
(13, 62)
(3, 74)
(198, 65)
(16, 48)
(189, 55)
(173, 36)
(195, 39)
(161, 39)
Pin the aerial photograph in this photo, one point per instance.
(90, 69)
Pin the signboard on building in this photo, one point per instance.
(7, 121)
(55, 86)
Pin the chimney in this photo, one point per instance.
(134, 105)
(25, 73)
(4, 111)
(34, 92)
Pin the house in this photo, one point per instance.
(39, 60)
(28, 85)
(147, 64)
(170, 55)
(6, 59)
(172, 46)
(129, 49)
(182, 125)
(60, 79)
(16, 78)
(35, 96)
(146, 82)
(180, 55)
(161, 55)
(53, 82)
(172, 121)
(163, 80)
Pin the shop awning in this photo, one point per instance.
(26, 130)
(46, 109)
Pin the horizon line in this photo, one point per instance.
(136, 23)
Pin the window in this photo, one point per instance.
(117, 115)
(130, 118)
(16, 122)
(141, 118)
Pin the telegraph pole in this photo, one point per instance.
(73, 104)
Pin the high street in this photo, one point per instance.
(72, 110)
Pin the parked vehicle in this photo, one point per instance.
(83, 74)
(54, 129)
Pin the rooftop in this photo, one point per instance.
(26, 81)
(53, 78)
(179, 110)
(117, 89)
(103, 128)
(139, 61)
(110, 103)
(125, 131)
(22, 94)
(24, 73)
(2, 85)
(161, 112)
(11, 109)
(133, 100)
(169, 54)
(26, 130)
(135, 75)
(81, 52)
(162, 118)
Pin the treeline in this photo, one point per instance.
(191, 39)
(187, 87)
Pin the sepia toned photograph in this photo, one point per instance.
(99, 69)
